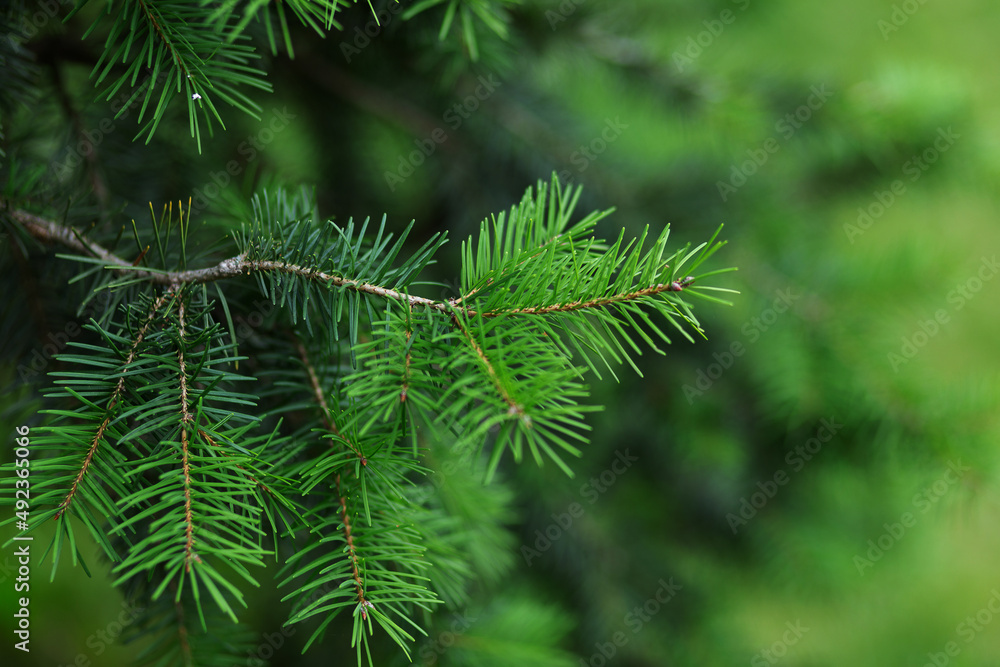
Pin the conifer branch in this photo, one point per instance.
(494, 366)
(51, 232)
(189, 554)
(344, 515)
(515, 408)
(239, 265)
(337, 281)
(539, 249)
(352, 550)
(321, 400)
(246, 472)
(148, 11)
(112, 402)
(406, 366)
(186, 54)
(675, 286)
(314, 384)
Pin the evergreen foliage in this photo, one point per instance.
(165, 452)
(344, 438)
(764, 474)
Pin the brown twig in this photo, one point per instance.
(49, 231)
(186, 419)
(676, 286)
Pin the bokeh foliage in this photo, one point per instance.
(675, 127)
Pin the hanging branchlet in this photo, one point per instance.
(615, 299)
(407, 360)
(515, 409)
(320, 397)
(331, 426)
(189, 553)
(112, 403)
(352, 554)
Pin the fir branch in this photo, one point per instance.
(406, 363)
(337, 281)
(344, 515)
(320, 15)
(151, 17)
(189, 554)
(112, 402)
(246, 472)
(51, 232)
(398, 376)
(675, 286)
(510, 355)
(351, 549)
(185, 53)
(321, 400)
(242, 265)
(515, 407)
(315, 386)
(192, 509)
(48, 231)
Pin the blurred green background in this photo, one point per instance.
(815, 483)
